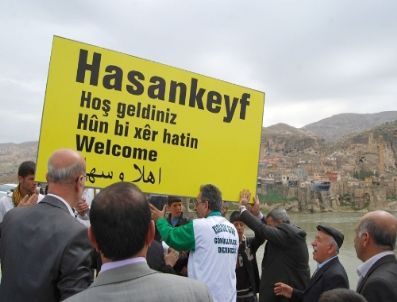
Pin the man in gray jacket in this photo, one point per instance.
(375, 242)
(45, 253)
(122, 230)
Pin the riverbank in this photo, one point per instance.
(294, 207)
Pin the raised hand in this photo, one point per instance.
(28, 200)
(255, 209)
(82, 207)
(245, 197)
(171, 257)
(156, 213)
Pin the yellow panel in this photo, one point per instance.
(166, 129)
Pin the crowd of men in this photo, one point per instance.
(125, 248)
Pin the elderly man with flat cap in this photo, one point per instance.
(329, 274)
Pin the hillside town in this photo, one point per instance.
(309, 174)
(302, 171)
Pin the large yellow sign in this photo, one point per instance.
(166, 129)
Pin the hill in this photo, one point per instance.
(372, 151)
(338, 126)
(285, 139)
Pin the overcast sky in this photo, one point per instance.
(312, 58)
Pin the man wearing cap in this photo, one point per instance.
(329, 274)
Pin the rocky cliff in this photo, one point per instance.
(11, 155)
(361, 169)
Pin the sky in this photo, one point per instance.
(312, 58)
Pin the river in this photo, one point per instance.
(345, 222)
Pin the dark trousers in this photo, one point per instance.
(250, 298)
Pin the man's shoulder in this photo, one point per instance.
(177, 284)
(5, 205)
(150, 286)
(58, 218)
(383, 277)
(5, 201)
(46, 203)
(170, 279)
(54, 204)
(5, 198)
(333, 263)
(212, 220)
(293, 230)
(386, 265)
(334, 268)
(183, 220)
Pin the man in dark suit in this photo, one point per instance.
(122, 230)
(247, 274)
(45, 252)
(330, 273)
(160, 259)
(374, 243)
(286, 256)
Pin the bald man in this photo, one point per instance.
(44, 250)
(374, 242)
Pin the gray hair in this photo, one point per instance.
(333, 242)
(382, 237)
(279, 214)
(341, 294)
(211, 194)
(64, 174)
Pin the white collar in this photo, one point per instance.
(64, 202)
(320, 265)
(115, 264)
(363, 268)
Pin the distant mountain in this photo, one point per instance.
(337, 126)
(285, 129)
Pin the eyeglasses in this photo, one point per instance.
(198, 201)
